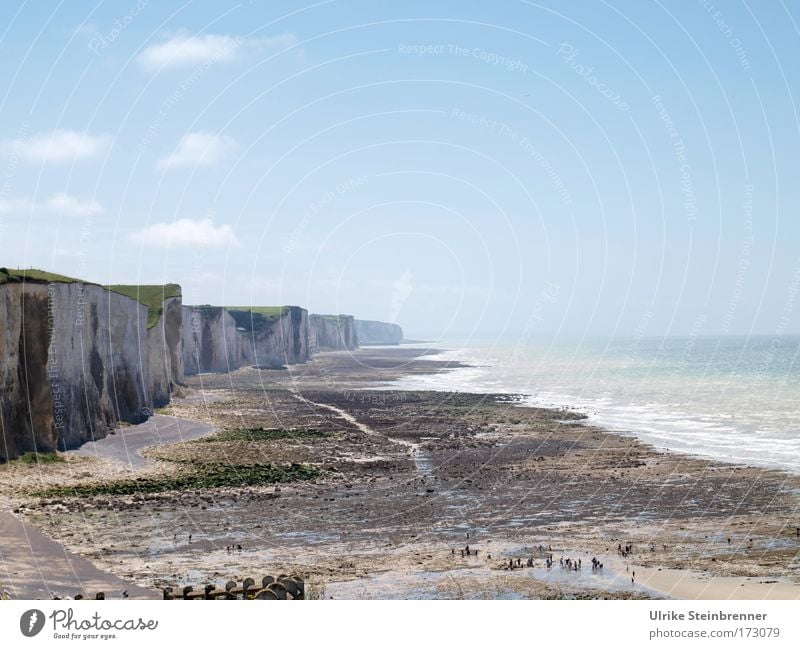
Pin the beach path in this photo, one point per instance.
(32, 566)
(420, 460)
(126, 444)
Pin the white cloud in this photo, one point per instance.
(198, 150)
(60, 204)
(71, 206)
(183, 49)
(188, 233)
(57, 146)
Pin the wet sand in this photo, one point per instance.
(686, 584)
(33, 566)
(408, 479)
(126, 444)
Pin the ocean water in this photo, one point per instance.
(730, 398)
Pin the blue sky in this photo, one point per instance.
(625, 168)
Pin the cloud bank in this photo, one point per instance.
(57, 146)
(185, 50)
(187, 233)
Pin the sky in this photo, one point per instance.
(587, 168)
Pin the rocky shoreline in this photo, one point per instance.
(403, 481)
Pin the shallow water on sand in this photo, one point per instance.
(495, 584)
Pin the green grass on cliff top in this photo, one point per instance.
(269, 311)
(10, 275)
(256, 318)
(151, 295)
(332, 318)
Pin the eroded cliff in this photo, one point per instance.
(222, 339)
(373, 332)
(77, 358)
(332, 332)
(210, 340)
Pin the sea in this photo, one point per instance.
(730, 398)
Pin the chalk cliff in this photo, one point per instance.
(210, 340)
(373, 332)
(274, 336)
(221, 339)
(77, 358)
(332, 332)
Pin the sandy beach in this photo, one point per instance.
(403, 482)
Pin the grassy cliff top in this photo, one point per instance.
(9, 275)
(256, 318)
(269, 311)
(332, 318)
(151, 295)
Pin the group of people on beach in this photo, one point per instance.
(570, 564)
(549, 562)
(626, 550)
(567, 563)
(466, 552)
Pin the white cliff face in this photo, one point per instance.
(164, 347)
(373, 332)
(217, 340)
(210, 340)
(332, 332)
(77, 359)
(26, 413)
(284, 341)
(101, 353)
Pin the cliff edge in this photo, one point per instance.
(373, 332)
(222, 339)
(77, 358)
(332, 332)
